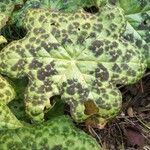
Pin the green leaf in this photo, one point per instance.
(138, 28)
(62, 5)
(80, 56)
(17, 105)
(7, 6)
(135, 6)
(17, 108)
(7, 119)
(58, 133)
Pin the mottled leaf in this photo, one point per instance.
(63, 5)
(80, 56)
(56, 134)
(7, 119)
(138, 27)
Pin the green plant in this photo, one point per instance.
(77, 58)
(70, 51)
(58, 133)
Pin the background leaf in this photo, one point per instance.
(138, 27)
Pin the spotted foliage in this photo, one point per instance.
(7, 119)
(57, 134)
(7, 6)
(67, 6)
(138, 27)
(79, 56)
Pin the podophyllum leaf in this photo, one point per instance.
(7, 6)
(17, 105)
(138, 28)
(17, 108)
(6, 9)
(63, 5)
(79, 56)
(58, 133)
(7, 119)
